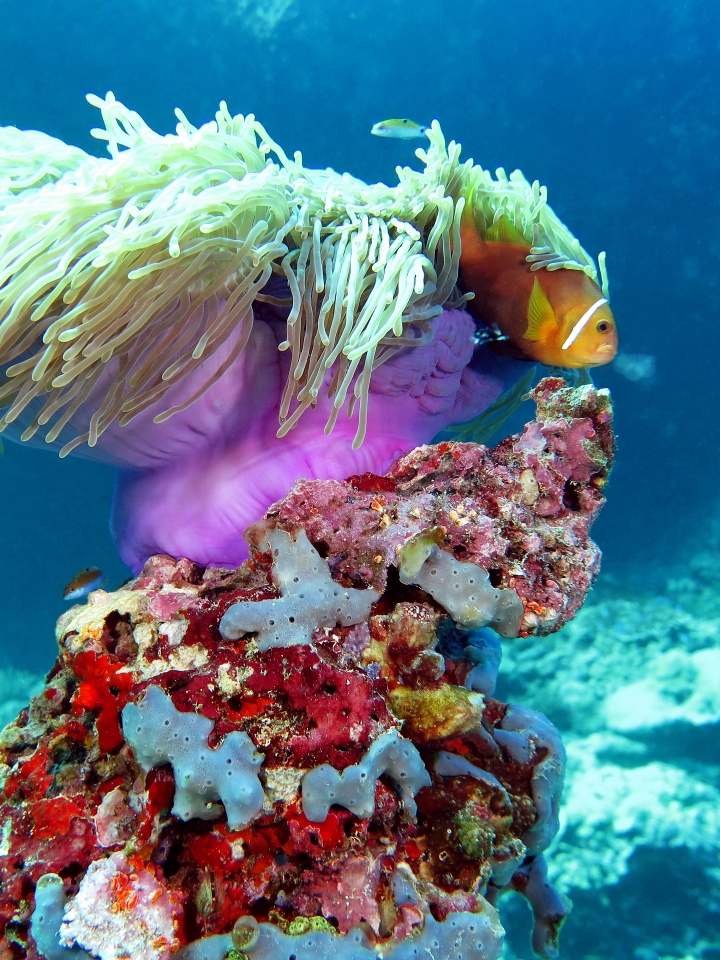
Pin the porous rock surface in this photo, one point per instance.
(522, 510)
(95, 827)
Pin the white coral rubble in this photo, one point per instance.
(121, 912)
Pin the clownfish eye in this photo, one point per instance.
(602, 326)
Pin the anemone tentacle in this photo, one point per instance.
(153, 258)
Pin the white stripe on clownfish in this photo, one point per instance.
(576, 330)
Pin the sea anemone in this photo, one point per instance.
(208, 278)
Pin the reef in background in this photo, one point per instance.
(633, 684)
(303, 757)
(16, 689)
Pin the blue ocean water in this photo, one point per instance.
(615, 106)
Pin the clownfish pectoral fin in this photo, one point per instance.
(504, 231)
(541, 316)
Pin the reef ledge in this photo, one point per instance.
(303, 757)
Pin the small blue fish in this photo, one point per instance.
(399, 129)
(83, 583)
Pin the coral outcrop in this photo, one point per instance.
(303, 756)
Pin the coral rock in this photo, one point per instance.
(371, 798)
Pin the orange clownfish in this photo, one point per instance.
(559, 318)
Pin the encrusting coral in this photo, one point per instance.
(166, 308)
(463, 789)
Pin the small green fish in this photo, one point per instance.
(83, 583)
(399, 129)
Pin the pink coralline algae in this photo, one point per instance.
(187, 785)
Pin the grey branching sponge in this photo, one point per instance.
(50, 900)
(463, 936)
(525, 733)
(309, 598)
(354, 788)
(485, 652)
(464, 589)
(159, 733)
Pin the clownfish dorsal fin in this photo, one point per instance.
(504, 231)
(473, 245)
(540, 314)
(472, 220)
